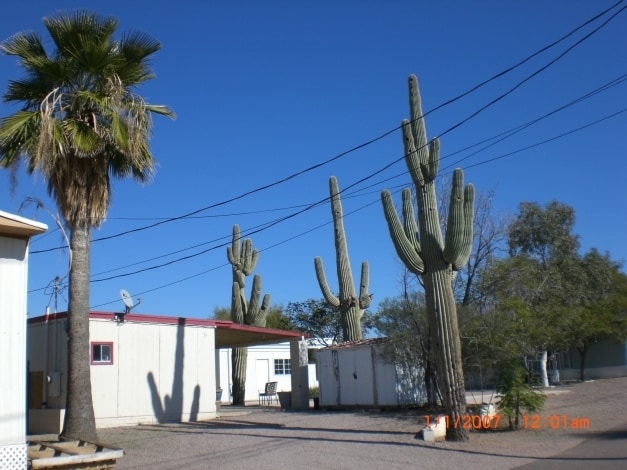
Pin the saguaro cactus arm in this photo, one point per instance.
(324, 287)
(407, 248)
(242, 256)
(344, 273)
(251, 312)
(238, 304)
(458, 244)
(351, 307)
(256, 313)
(364, 297)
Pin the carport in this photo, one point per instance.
(233, 335)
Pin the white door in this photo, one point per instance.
(263, 373)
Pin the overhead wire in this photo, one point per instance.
(307, 207)
(391, 131)
(490, 160)
(508, 154)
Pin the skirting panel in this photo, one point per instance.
(14, 457)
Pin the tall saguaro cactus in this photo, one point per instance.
(426, 253)
(243, 260)
(351, 307)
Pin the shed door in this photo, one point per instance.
(356, 376)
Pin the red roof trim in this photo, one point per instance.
(158, 319)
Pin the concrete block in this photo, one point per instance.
(436, 430)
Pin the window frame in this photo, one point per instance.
(91, 353)
(282, 366)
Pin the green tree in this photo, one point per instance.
(221, 313)
(81, 123)
(538, 277)
(518, 396)
(321, 321)
(275, 318)
(543, 233)
(601, 310)
(404, 321)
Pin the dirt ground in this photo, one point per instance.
(583, 425)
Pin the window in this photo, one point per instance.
(101, 353)
(282, 367)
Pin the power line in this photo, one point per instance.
(490, 160)
(391, 131)
(509, 154)
(307, 207)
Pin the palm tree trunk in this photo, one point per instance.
(79, 416)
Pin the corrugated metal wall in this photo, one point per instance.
(361, 375)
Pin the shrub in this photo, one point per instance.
(518, 396)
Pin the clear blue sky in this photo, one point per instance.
(263, 90)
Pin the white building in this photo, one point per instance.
(266, 363)
(15, 233)
(143, 369)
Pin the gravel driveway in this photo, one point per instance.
(266, 438)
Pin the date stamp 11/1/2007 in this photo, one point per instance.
(527, 421)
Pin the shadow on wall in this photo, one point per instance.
(170, 409)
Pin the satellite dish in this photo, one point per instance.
(126, 298)
(128, 304)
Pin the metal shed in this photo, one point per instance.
(361, 375)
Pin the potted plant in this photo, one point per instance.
(285, 400)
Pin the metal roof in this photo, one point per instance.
(228, 333)
(16, 226)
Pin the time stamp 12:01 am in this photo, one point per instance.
(527, 421)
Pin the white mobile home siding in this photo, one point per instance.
(159, 372)
(13, 274)
(15, 233)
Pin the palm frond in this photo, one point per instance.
(17, 133)
(81, 121)
(137, 46)
(161, 109)
(27, 46)
(72, 32)
(82, 138)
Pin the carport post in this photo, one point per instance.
(300, 374)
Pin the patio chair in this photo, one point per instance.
(266, 395)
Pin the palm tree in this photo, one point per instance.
(81, 123)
